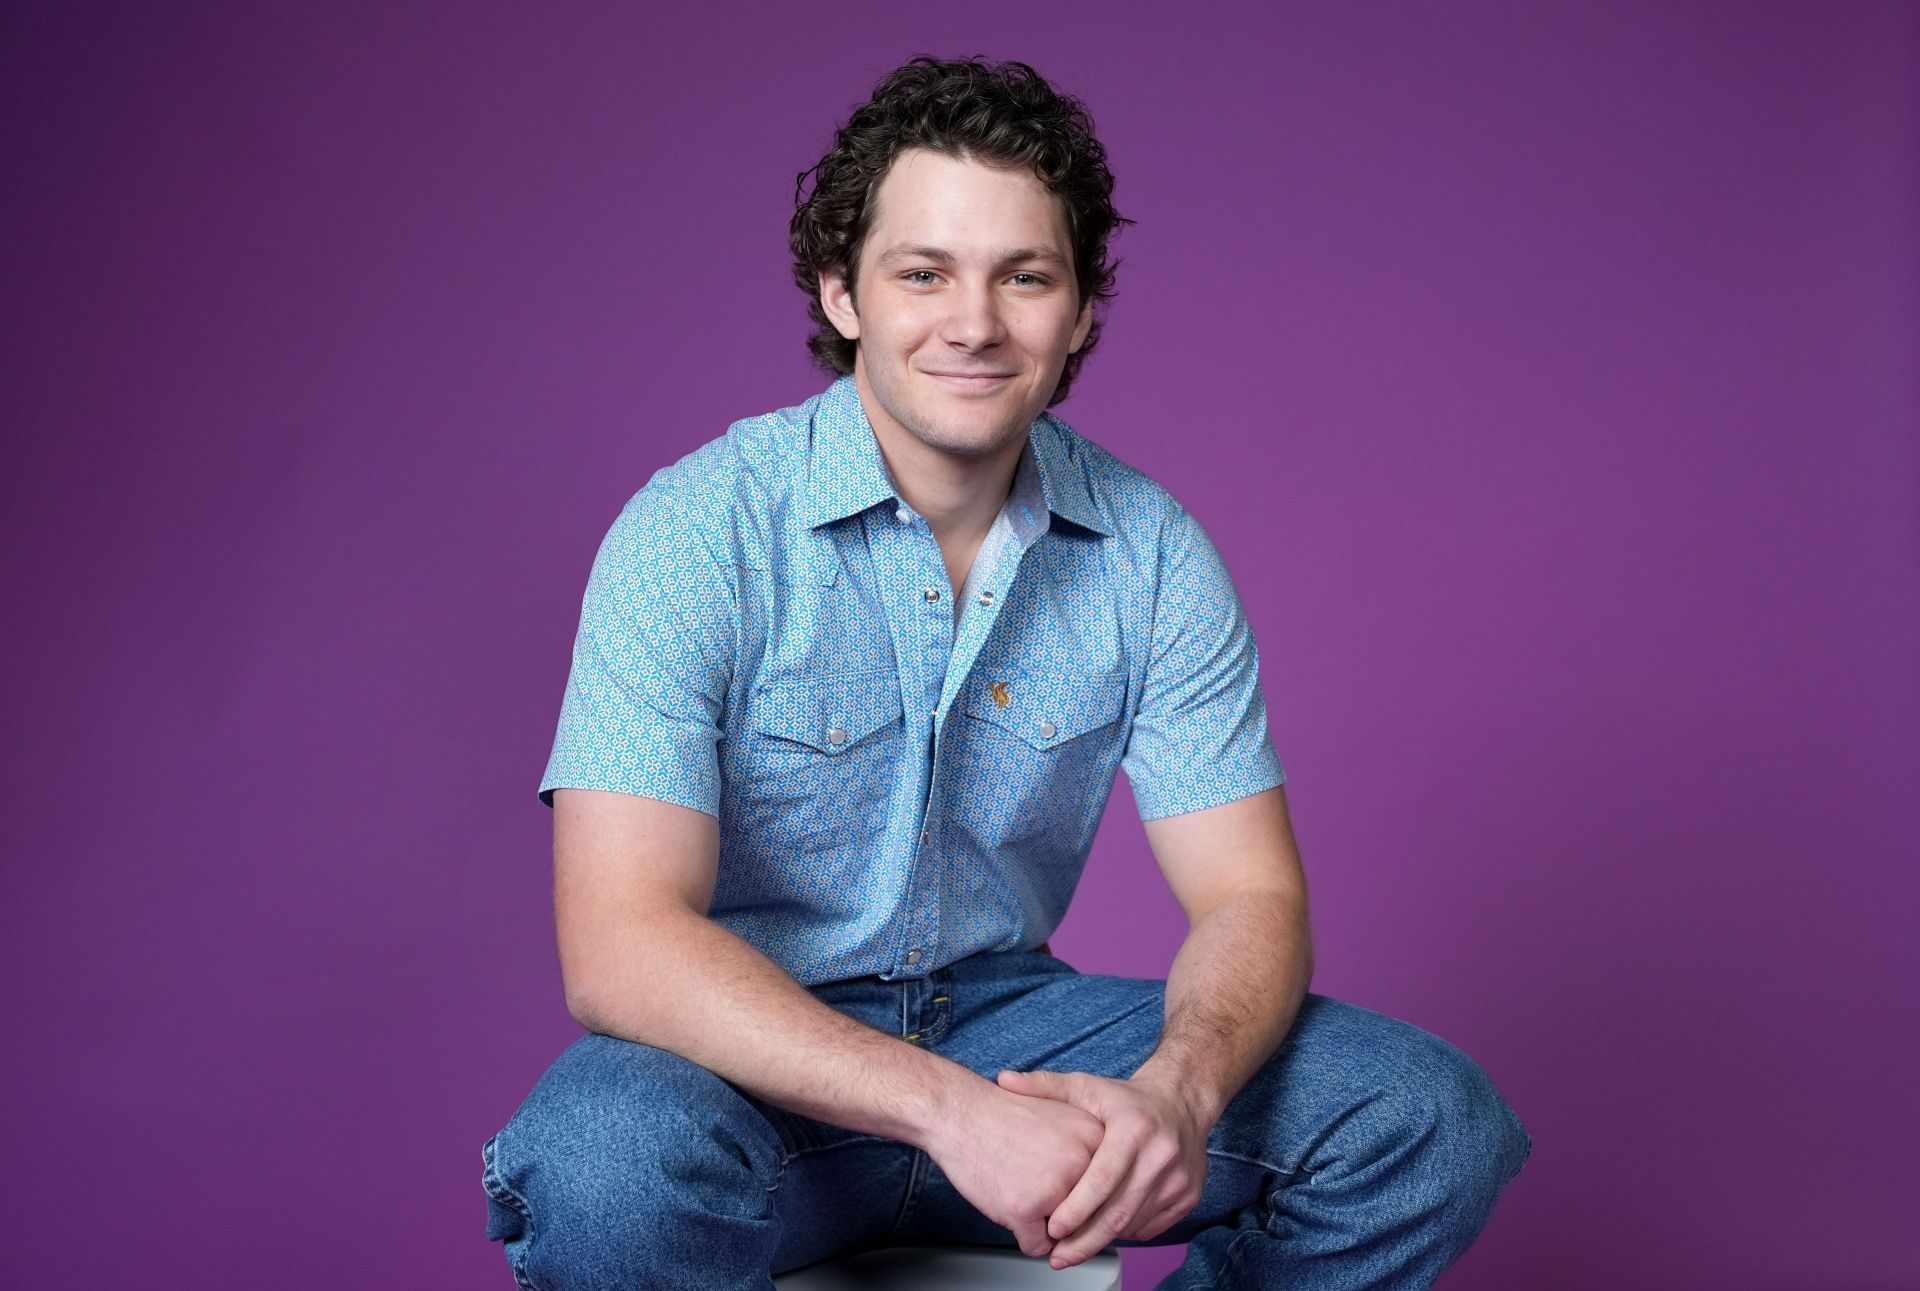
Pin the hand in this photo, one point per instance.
(1147, 1173)
(1015, 1157)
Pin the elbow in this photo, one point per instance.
(582, 1004)
(591, 983)
(601, 975)
(611, 970)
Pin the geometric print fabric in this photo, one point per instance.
(768, 635)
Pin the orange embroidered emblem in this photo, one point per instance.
(999, 692)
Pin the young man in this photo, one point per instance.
(849, 691)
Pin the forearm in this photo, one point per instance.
(1232, 994)
(693, 988)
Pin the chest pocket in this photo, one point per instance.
(1042, 752)
(1046, 710)
(834, 714)
(815, 778)
(808, 802)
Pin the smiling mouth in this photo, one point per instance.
(972, 380)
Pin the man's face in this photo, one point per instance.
(967, 304)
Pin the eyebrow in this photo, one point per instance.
(1019, 255)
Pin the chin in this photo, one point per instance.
(957, 436)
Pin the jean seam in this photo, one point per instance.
(916, 1179)
(1234, 1247)
(1264, 1165)
(787, 1158)
(828, 1147)
(500, 1191)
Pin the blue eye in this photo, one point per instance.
(914, 274)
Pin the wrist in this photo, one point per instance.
(1198, 1096)
(953, 1099)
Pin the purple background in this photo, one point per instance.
(1546, 375)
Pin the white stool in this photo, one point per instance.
(952, 1268)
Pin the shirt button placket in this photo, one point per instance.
(936, 625)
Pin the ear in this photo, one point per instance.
(838, 302)
(1082, 326)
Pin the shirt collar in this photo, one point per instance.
(846, 474)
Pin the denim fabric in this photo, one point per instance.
(1366, 1153)
(768, 635)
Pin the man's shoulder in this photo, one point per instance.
(756, 455)
(1130, 501)
(731, 489)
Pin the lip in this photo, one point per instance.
(972, 380)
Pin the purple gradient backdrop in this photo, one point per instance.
(1546, 374)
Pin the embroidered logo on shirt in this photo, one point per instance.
(999, 692)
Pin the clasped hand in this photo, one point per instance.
(1146, 1174)
(1070, 1161)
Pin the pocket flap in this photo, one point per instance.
(1045, 708)
(830, 713)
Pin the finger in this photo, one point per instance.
(1111, 1163)
(1049, 1084)
(1070, 1088)
(1033, 1239)
(1160, 1222)
(1106, 1224)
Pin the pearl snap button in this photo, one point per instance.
(1048, 730)
(932, 594)
(836, 735)
(986, 598)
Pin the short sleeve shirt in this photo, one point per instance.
(768, 635)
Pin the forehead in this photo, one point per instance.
(931, 198)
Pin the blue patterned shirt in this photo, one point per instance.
(769, 636)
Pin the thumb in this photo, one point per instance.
(1051, 1083)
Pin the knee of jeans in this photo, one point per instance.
(613, 1149)
(1466, 1114)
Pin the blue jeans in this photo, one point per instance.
(1365, 1153)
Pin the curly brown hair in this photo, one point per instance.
(999, 113)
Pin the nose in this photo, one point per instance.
(973, 319)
